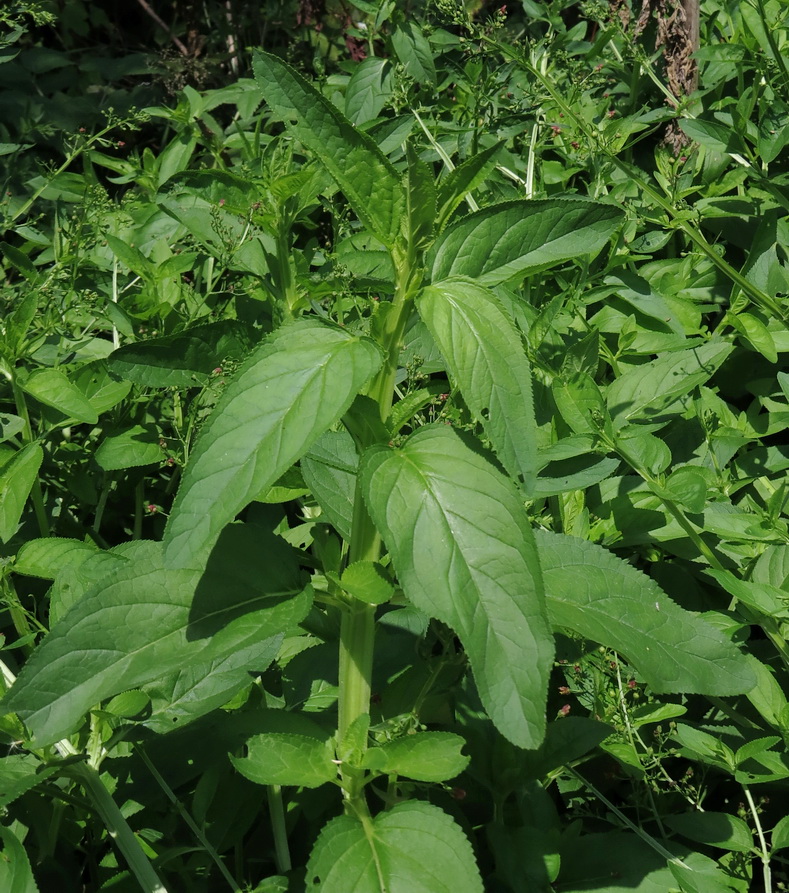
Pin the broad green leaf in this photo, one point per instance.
(644, 393)
(102, 391)
(757, 333)
(714, 828)
(144, 621)
(16, 875)
(688, 486)
(639, 293)
(767, 696)
(366, 177)
(368, 90)
(705, 747)
(594, 593)
(643, 450)
(185, 359)
(413, 52)
(130, 256)
(16, 482)
(46, 557)
(367, 581)
(139, 445)
(713, 134)
(779, 838)
(485, 356)
(52, 388)
(20, 773)
(762, 597)
(412, 848)
(10, 425)
(464, 552)
(580, 403)
(283, 758)
(290, 390)
(329, 469)
(189, 693)
(425, 756)
(509, 240)
(420, 195)
(465, 178)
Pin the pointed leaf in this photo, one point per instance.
(413, 848)
(366, 177)
(509, 240)
(144, 621)
(425, 756)
(464, 553)
(329, 469)
(485, 356)
(420, 193)
(52, 388)
(137, 446)
(20, 773)
(603, 598)
(413, 51)
(16, 875)
(293, 387)
(182, 360)
(465, 178)
(16, 482)
(46, 557)
(643, 393)
(283, 758)
(714, 828)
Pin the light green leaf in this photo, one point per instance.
(757, 333)
(425, 756)
(465, 178)
(643, 450)
(137, 446)
(594, 593)
(52, 388)
(413, 52)
(10, 425)
(16, 482)
(329, 469)
(102, 391)
(464, 553)
(16, 875)
(779, 839)
(420, 193)
(20, 773)
(144, 621)
(283, 758)
(506, 241)
(368, 90)
(366, 177)
(367, 581)
(46, 557)
(293, 387)
(183, 360)
(644, 393)
(580, 403)
(714, 828)
(412, 848)
(485, 356)
(688, 486)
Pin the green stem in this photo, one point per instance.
(118, 828)
(277, 814)
(765, 853)
(27, 436)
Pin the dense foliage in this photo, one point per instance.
(393, 473)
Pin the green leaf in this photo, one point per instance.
(688, 486)
(603, 598)
(329, 469)
(643, 450)
(16, 482)
(368, 90)
(46, 557)
(366, 177)
(413, 52)
(291, 389)
(425, 756)
(507, 241)
(185, 359)
(644, 393)
(145, 620)
(367, 581)
(20, 773)
(130, 256)
(779, 838)
(581, 403)
(464, 552)
(10, 426)
(485, 356)
(137, 446)
(189, 693)
(757, 333)
(102, 391)
(52, 388)
(16, 875)
(713, 828)
(420, 194)
(282, 758)
(465, 178)
(412, 848)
